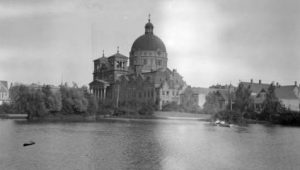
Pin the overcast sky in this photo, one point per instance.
(208, 41)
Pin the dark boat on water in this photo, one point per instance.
(29, 143)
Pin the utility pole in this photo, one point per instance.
(230, 99)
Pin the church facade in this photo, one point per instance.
(147, 78)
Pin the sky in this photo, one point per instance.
(208, 41)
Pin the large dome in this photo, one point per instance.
(148, 42)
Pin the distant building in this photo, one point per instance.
(255, 88)
(288, 95)
(146, 79)
(4, 92)
(190, 97)
(223, 92)
(258, 93)
(226, 98)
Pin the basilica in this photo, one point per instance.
(146, 78)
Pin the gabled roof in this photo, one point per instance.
(3, 89)
(4, 83)
(286, 92)
(255, 87)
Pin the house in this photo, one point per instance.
(258, 93)
(4, 92)
(255, 88)
(289, 96)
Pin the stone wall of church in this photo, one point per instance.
(150, 60)
(136, 91)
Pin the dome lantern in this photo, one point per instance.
(149, 26)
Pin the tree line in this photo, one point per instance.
(46, 100)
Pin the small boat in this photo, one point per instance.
(217, 122)
(224, 124)
(29, 143)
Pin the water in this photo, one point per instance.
(146, 144)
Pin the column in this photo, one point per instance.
(104, 93)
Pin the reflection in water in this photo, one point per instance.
(147, 144)
(241, 129)
(142, 151)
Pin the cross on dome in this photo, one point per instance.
(149, 17)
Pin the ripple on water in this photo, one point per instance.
(150, 144)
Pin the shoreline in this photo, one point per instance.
(95, 118)
(159, 115)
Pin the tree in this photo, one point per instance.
(29, 101)
(41, 101)
(73, 100)
(52, 99)
(92, 107)
(271, 104)
(243, 98)
(212, 104)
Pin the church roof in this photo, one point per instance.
(118, 55)
(148, 42)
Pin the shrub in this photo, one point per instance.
(146, 109)
(6, 108)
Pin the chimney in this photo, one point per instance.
(296, 83)
(251, 81)
(277, 84)
(259, 82)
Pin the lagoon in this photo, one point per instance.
(158, 144)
